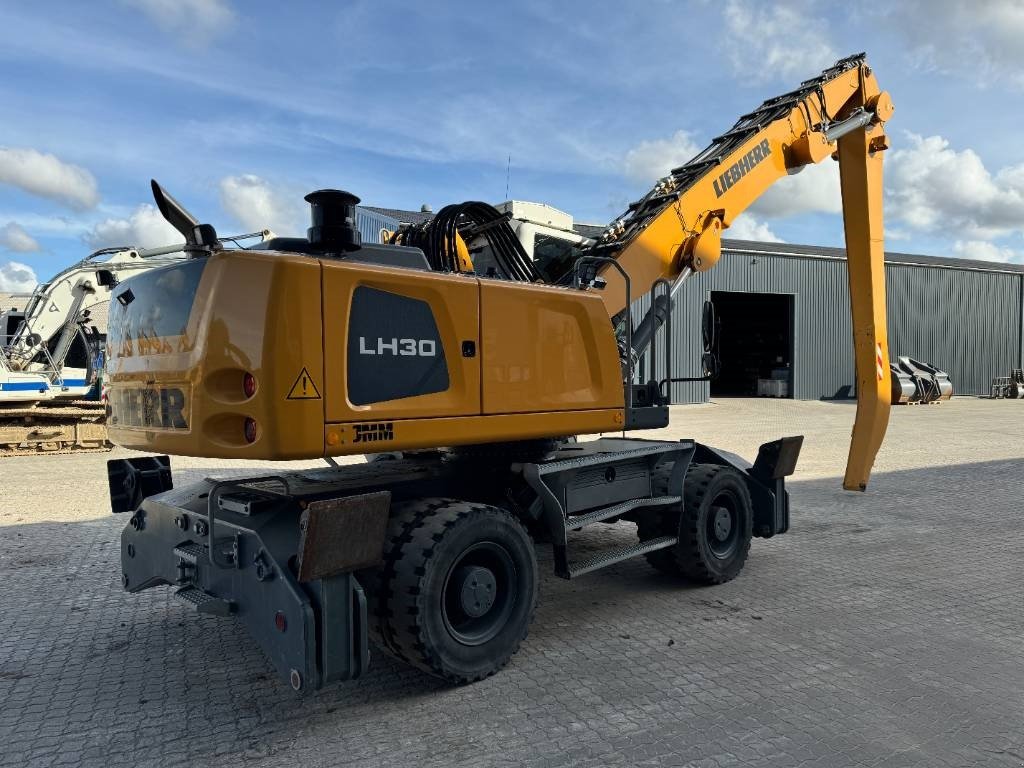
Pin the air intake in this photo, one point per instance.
(334, 220)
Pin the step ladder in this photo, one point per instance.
(570, 492)
(571, 570)
(188, 555)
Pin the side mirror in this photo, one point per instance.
(709, 332)
(707, 326)
(711, 365)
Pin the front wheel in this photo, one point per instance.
(714, 526)
(459, 589)
(717, 524)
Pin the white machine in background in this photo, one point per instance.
(50, 353)
(49, 341)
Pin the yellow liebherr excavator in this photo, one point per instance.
(451, 353)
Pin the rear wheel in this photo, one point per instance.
(714, 526)
(458, 588)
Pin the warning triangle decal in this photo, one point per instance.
(304, 388)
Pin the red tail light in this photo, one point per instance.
(249, 385)
(250, 430)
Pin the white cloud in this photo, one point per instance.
(195, 22)
(256, 205)
(784, 40)
(986, 251)
(980, 40)
(815, 189)
(16, 277)
(47, 176)
(144, 228)
(13, 237)
(932, 187)
(746, 226)
(650, 160)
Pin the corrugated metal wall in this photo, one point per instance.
(969, 323)
(370, 223)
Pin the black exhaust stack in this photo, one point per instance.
(334, 221)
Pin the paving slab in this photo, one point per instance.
(886, 629)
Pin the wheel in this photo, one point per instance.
(458, 588)
(714, 526)
(376, 582)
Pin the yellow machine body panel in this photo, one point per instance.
(176, 371)
(371, 349)
(348, 357)
(411, 434)
(546, 349)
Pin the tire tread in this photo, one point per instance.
(416, 530)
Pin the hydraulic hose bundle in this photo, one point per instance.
(439, 239)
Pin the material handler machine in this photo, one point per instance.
(468, 369)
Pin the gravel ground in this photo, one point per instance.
(886, 629)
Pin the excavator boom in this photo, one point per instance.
(676, 229)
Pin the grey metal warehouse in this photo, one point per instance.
(785, 306)
(784, 312)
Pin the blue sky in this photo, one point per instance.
(240, 108)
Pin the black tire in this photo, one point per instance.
(714, 527)
(458, 588)
(376, 582)
(701, 555)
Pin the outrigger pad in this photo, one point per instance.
(133, 480)
(342, 535)
(777, 459)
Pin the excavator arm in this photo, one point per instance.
(676, 229)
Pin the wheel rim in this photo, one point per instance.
(479, 594)
(723, 526)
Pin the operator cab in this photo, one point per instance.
(10, 322)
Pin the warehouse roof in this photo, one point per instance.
(13, 300)
(779, 249)
(404, 217)
(891, 257)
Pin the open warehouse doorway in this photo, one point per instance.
(755, 344)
